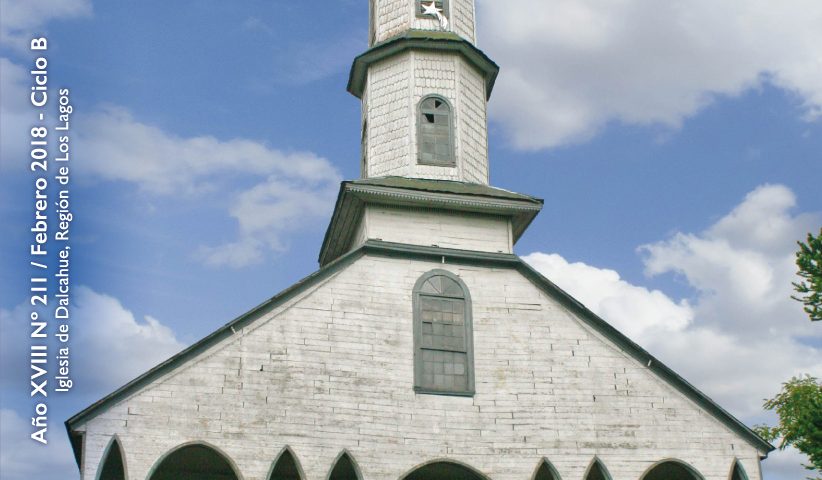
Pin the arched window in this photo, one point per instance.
(443, 343)
(435, 133)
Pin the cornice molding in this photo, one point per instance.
(353, 198)
(424, 40)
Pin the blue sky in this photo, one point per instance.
(677, 148)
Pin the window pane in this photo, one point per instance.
(435, 135)
(450, 287)
(445, 370)
(442, 328)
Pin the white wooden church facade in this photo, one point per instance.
(423, 348)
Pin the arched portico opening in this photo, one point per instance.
(344, 468)
(194, 462)
(443, 470)
(672, 470)
(286, 467)
(597, 471)
(112, 466)
(737, 472)
(546, 471)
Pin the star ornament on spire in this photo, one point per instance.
(436, 12)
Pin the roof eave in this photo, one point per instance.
(354, 196)
(421, 40)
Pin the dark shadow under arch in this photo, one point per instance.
(443, 470)
(546, 471)
(597, 471)
(112, 467)
(345, 468)
(286, 467)
(672, 470)
(196, 461)
(737, 472)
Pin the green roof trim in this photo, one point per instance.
(440, 255)
(407, 192)
(445, 186)
(421, 40)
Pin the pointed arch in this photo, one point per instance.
(199, 460)
(344, 468)
(443, 469)
(545, 471)
(737, 471)
(286, 466)
(671, 469)
(112, 465)
(597, 471)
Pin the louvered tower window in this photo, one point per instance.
(435, 133)
(443, 356)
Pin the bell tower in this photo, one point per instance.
(424, 87)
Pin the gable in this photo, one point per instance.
(519, 298)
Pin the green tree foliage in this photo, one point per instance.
(809, 261)
(799, 406)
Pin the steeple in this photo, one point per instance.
(424, 88)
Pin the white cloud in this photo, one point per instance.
(115, 346)
(742, 335)
(22, 458)
(571, 66)
(110, 346)
(119, 147)
(21, 18)
(743, 265)
(297, 191)
(632, 309)
(264, 213)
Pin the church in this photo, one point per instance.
(423, 348)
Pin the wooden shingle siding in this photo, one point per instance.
(332, 369)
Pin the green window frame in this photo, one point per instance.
(443, 335)
(441, 4)
(435, 132)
